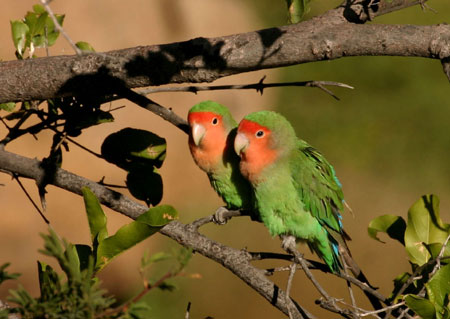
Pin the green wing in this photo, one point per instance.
(318, 186)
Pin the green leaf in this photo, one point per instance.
(52, 32)
(84, 253)
(158, 216)
(130, 147)
(399, 281)
(421, 306)
(424, 227)
(39, 9)
(126, 237)
(4, 275)
(36, 22)
(96, 217)
(140, 309)
(129, 235)
(49, 283)
(84, 46)
(19, 32)
(297, 9)
(145, 184)
(438, 289)
(156, 257)
(435, 250)
(85, 118)
(394, 226)
(10, 106)
(38, 34)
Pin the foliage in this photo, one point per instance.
(35, 30)
(4, 275)
(140, 153)
(105, 248)
(297, 9)
(426, 240)
(78, 294)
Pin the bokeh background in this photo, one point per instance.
(389, 141)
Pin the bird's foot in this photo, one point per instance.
(288, 243)
(221, 216)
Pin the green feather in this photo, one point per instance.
(214, 107)
(226, 179)
(300, 194)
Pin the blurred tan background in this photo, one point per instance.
(388, 139)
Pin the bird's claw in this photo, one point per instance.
(220, 217)
(288, 242)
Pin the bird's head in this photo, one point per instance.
(210, 124)
(263, 138)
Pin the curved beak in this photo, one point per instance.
(197, 131)
(241, 143)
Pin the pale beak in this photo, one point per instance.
(241, 142)
(198, 131)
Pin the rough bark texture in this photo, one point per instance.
(335, 34)
(237, 261)
(338, 33)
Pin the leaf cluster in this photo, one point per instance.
(425, 237)
(78, 294)
(140, 153)
(35, 30)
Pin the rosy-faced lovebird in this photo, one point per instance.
(296, 190)
(212, 132)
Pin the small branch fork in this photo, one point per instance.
(187, 235)
(237, 261)
(327, 302)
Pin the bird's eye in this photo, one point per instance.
(215, 121)
(260, 133)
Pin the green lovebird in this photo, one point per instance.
(212, 132)
(296, 190)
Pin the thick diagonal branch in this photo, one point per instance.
(237, 261)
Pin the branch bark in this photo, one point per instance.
(335, 34)
(338, 33)
(237, 261)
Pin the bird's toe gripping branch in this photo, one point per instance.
(221, 216)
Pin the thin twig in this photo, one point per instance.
(312, 264)
(350, 291)
(298, 257)
(45, 3)
(439, 257)
(102, 182)
(16, 177)
(165, 113)
(147, 287)
(188, 310)
(232, 259)
(292, 268)
(404, 313)
(84, 147)
(259, 87)
(375, 312)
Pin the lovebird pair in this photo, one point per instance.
(261, 166)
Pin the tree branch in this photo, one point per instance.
(237, 261)
(327, 37)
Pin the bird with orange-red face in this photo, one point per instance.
(296, 191)
(211, 138)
